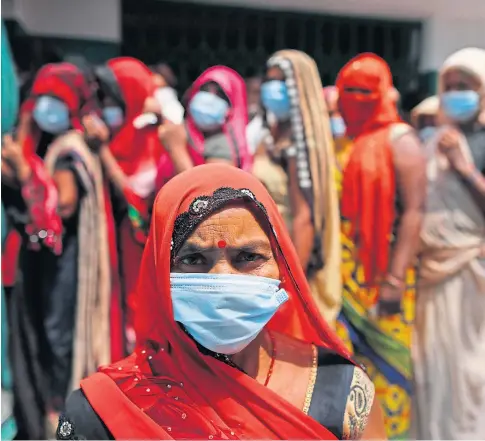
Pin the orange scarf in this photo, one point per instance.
(368, 196)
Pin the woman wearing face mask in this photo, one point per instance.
(450, 319)
(424, 118)
(383, 194)
(62, 295)
(342, 143)
(226, 318)
(215, 125)
(130, 157)
(296, 164)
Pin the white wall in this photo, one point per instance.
(84, 19)
(378, 8)
(445, 35)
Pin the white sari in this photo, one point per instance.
(449, 340)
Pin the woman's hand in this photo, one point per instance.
(449, 145)
(151, 105)
(13, 156)
(96, 132)
(389, 301)
(172, 136)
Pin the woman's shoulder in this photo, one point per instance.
(342, 397)
(80, 421)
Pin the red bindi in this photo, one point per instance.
(221, 244)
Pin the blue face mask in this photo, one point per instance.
(426, 133)
(338, 126)
(208, 111)
(224, 312)
(113, 116)
(51, 115)
(275, 99)
(460, 105)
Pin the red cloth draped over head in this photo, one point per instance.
(183, 394)
(234, 87)
(65, 82)
(368, 196)
(136, 150)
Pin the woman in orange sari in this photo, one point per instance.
(382, 202)
(225, 319)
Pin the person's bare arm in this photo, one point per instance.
(410, 166)
(181, 158)
(174, 140)
(375, 428)
(67, 188)
(303, 230)
(113, 171)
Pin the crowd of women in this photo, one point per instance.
(331, 288)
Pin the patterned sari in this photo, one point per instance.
(382, 345)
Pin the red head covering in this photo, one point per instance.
(67, 83)
(369, 184)
(214, 400)
(234, 87)
(135, 150)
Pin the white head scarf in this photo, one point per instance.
(472, 61)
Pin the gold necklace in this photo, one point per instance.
(311, 382)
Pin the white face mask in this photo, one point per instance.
(143, 183)
(170, 105)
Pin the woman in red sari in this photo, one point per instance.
(61, 300)
(215, 125)
(130, 160)
(226, 318)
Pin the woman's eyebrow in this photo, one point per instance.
(254, 245)
(189, 247)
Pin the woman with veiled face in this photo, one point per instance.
(231, 344)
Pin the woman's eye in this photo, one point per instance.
(191, 259)
(248, 257)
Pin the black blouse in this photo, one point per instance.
(328, 405)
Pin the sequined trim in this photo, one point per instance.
(311, 381)
(201, 208)
(66, 429)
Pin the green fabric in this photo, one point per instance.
(10, 96)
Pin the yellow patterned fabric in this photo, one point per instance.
(381, 345)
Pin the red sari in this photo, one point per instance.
(137, 152)
(167, 389)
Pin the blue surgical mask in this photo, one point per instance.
(113, 116)
(460, 105)
(208, 111)
(51, 115)
(275, 99)
(338, 126)
(224, 312)
(426, 133)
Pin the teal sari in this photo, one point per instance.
(10, 105)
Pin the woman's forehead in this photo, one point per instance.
(234, 225)
(460, 75)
